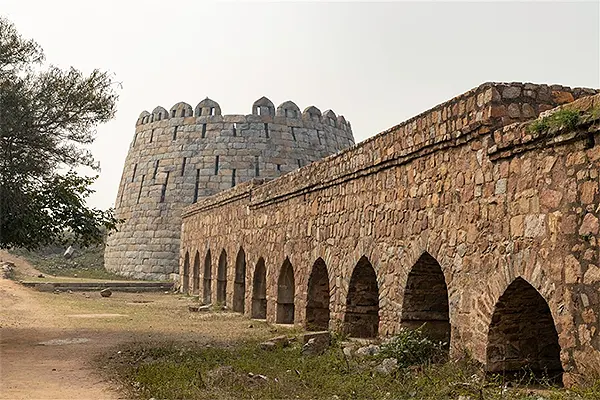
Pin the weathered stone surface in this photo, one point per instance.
(281, 341)
(411, 191)
(6, 269)
(314, 347)
(589, 225)
(268, 345)
(535, 225)
(366, 351)
(323, 336)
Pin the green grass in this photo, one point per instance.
(87, 263)
(562, 119)
(178, 371)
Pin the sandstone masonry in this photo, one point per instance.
(460, 218)
(182, 155)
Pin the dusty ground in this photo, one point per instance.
(48, 342)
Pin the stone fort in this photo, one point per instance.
(463, 219)
(179, 156)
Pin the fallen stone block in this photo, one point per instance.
(105, 292)
(267, 346)
(387, 366)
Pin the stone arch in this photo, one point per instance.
(288, 109)
(159, 113)
(286, 287)
(142, 119)
(522, 337)
(259, 290)
(196, 274)
(426, 299)
(185, 279)
(312, 113)
(222, 278)
(207, 281)
(181, 109)
(263, 106)
(330, 118)
(318, 297)
(239, 284)
(207, 107)
(361, 318)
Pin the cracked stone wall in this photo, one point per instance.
(467, 183)
(179, 156)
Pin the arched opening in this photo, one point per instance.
(222, 278)
(317, 304)
(522, 339)
(259, 291)
(362, 305)
(207, 281)
(285, 294)
(239, 284)
(185, 280)
(426, 300)
(196, 274)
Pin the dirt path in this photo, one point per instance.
(29, 370)
(48, 341)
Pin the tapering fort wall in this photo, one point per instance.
(481, 229)
(181, 155)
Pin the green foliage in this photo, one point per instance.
(177, 371)
(562, 119)
(46, 115)
(412, 347)
(85, 263)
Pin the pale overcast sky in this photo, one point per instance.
(375, 63)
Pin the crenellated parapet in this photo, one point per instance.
(183, 154)
(262, 107)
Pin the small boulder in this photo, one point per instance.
(267, 345)
(347, 352)
(196, 308)
(7, 270)
(315, 343)
(369, 350)
(281, 341)
(387, 366)
(69, 252)
(105, 292)
(313, 347)
(257, 377)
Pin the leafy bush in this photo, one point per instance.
(412, 347)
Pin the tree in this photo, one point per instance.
(47, 116)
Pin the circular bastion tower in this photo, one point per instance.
(179, 156)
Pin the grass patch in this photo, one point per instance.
(243, 371)
(562, 119)
(87, 263)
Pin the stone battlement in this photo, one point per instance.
(209, 110)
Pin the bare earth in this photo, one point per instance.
(48, 341)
